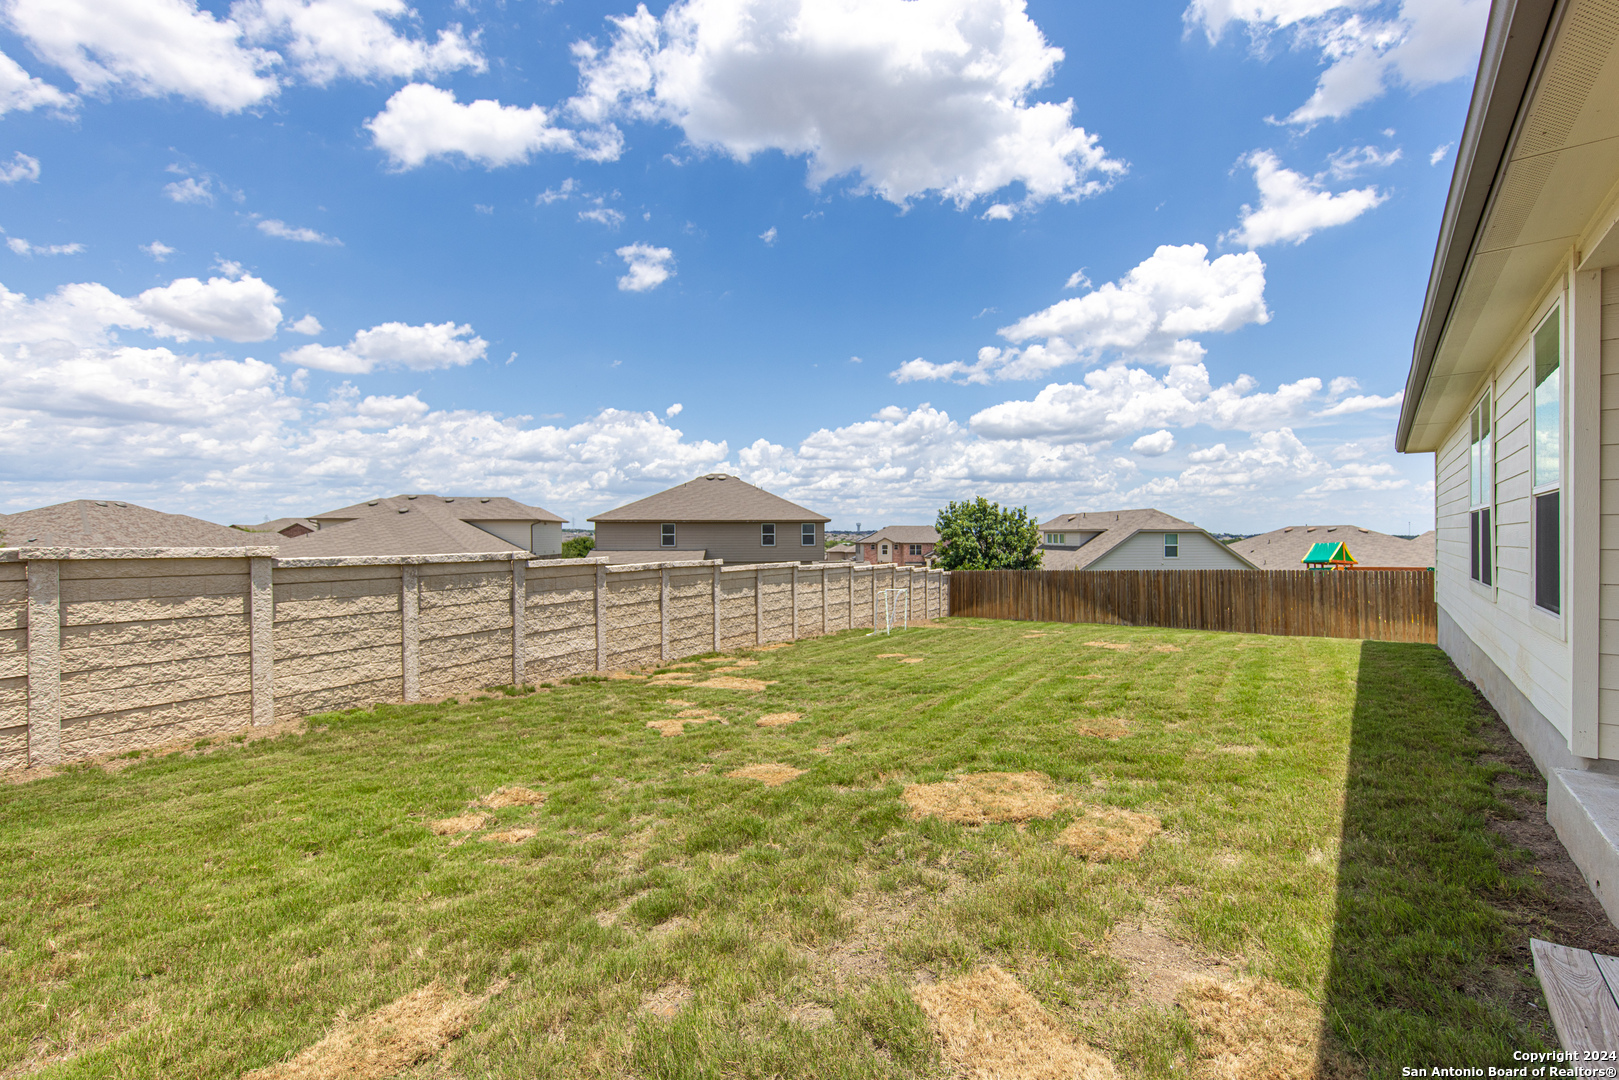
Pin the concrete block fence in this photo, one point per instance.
(104, 650)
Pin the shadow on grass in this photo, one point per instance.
(1423, 968)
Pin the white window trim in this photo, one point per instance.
(673, 534)
(1552, 623)
(806, 533)
(1165, 538)
(1493, 589)
(762, 534)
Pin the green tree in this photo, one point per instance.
(980, 535)
(578, 547)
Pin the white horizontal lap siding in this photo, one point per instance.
(1526, 645)
(547, 538)
(732, 541)
(1145, 551)
(1608, 661)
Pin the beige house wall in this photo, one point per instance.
(732, 541)
(1145, 551)
(155, 646)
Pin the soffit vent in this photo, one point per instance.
(1584, 48)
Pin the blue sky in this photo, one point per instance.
(271, 257)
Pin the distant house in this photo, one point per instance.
(113, 524)
(715, 516)
(904, 544)
(454, 519)
(842, 553)
(1284, 549)
(288, 527)
(1133, 540)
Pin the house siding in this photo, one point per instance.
(1608, 647)
(541, 537)
(1145, 551)
(732, 541)
(1526, 644)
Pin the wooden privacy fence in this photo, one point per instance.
(1384, 605)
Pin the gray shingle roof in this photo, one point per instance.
(407, 532)
(279, 524)
(715, 497)
(1114, 527)
(109, 523)
(904, 534)
(461, 507)
(1283, 549)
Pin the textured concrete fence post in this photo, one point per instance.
(759, 607)
(663, 616)
(795, 601)
(823, 598)
(261, 645)
(519, 607)
(717, 606)
(410, 633)
(44, 662)
(601, 616)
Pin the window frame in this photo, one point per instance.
(1556, 485)
(666, 534)
(1172, 550)
(916, 549)
(1483, 525)
(767, 534)
(806, 534)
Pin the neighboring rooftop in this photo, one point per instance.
(1284, 549)
(110, 523)
(402, 532)
(461, 507)
(1092, 535)
(904, 534)
(715, 497)
(285, 526)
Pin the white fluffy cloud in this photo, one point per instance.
(20, 91)
(22, 167)
(147, 47)
(23, 247)
(1293, 207)
(1114, 401)
(239, 308)
(156, 48)
(428, 347)
(283, 231)
(1147, 315)
(158, 250)
(1366, 45)
(328, 39)
(1156, 444)
(648, 267)
(421, 122)
(191, 190)
(910, 98)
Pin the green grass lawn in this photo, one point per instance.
(1324, 827)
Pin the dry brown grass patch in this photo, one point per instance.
(913, 660)
(1108, 645)
(678, 704)
(509, 836)
(993, 1029)
(778, 719)
(889, 655)
(1166, 648)
(1102, 727)
(773, 648)
(462, 824)
(514, 795)
(670, 728)
(1106, 833)
(667, 1000)
(979, 798)
(396, 1037)
(731, 682)
(773, 774)
(1258, 1028)
(1093, 676)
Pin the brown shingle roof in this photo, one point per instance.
(1114, 526)
(1283, 549)
(461, 507)
(410, 532)
(715, 497)
(109, 523)
(278, 525)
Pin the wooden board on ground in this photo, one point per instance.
(1578, 996)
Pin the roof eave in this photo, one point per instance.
(1513, 44)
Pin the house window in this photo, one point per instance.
(916, 549)
(1546, 533)
(1481, 495)
(1056, 538)
(668, 538)
(809, 535)
(767, 535)
(885, 551)
(1172, 545)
